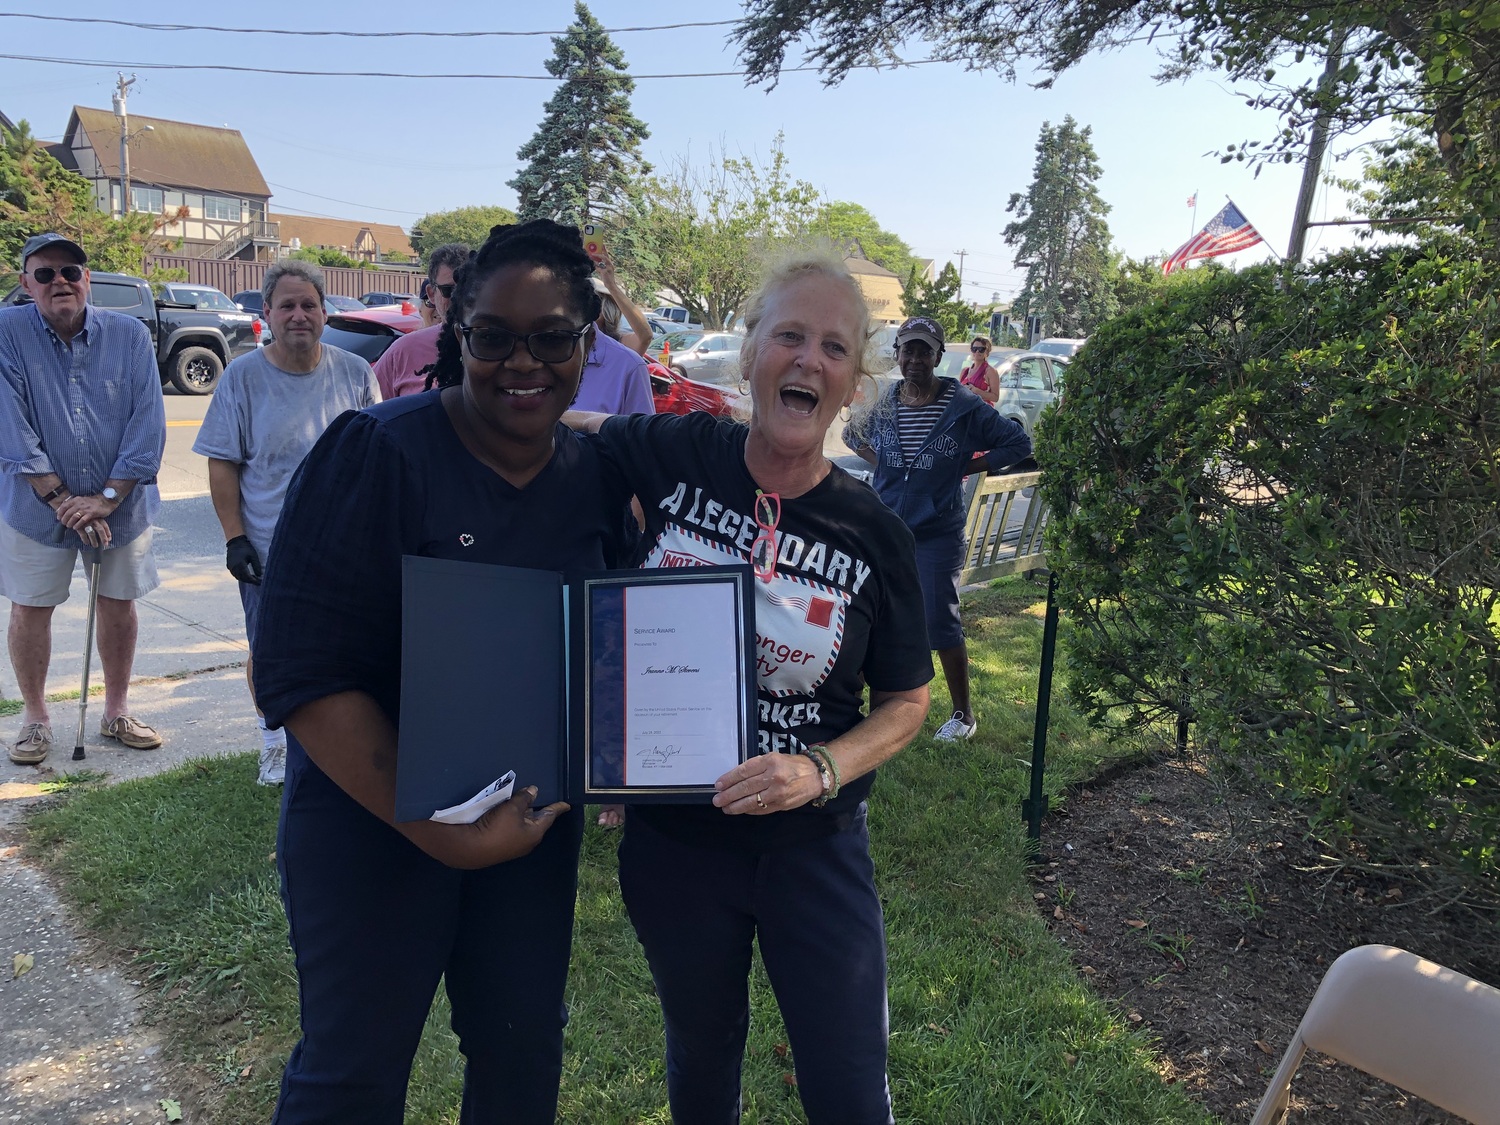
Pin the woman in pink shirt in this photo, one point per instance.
(977, 374)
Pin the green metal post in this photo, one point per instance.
(1034, 807)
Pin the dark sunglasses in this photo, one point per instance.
(496, 344)
(978, 348)
(445, 290)
(43, 275)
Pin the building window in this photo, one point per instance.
(146, 199)
(220, 207)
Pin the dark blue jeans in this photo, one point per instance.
(375, 923)
(814, 910)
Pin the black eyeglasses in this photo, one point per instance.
(977, 348)
(43, 275)
(495, 344)
(445, 290)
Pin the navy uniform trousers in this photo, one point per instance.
(375, 923)
(814, 909)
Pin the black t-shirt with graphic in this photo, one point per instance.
(844, 610)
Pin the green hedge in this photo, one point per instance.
(1279, 509)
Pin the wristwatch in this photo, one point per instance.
(111, 495)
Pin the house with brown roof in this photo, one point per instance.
(365, 242)
(175, 165)
(881, 287)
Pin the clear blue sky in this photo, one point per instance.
(933, 151)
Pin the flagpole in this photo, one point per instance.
(1193, 222)
(1268, 246)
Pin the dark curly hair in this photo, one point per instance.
(540, 242)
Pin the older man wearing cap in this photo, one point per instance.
(81, 439)
(922, 437)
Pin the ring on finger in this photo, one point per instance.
(760, 800)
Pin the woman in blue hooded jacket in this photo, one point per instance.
(922, 437)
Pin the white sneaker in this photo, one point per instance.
(955, 728)
(272, 764)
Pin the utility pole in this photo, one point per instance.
(962, 254)
(122, 91)
(1317, 144)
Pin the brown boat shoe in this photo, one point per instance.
(130, 732)
(32, 747)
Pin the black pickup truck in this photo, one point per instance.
(193, 342)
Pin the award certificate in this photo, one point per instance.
(671, 682)
(681, 684)
(603, 687)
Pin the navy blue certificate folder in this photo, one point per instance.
(509, 669)
(483, 687)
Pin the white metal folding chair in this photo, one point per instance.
(1408, 1021)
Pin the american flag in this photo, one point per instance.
(1225, 233)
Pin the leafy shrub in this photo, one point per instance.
(1278, 508)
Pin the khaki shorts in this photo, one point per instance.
(35, 574)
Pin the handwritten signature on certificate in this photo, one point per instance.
(657, 757)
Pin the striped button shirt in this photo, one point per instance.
(89, 410)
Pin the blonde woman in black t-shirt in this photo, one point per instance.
(781, 858)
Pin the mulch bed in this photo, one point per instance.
(1201, 908)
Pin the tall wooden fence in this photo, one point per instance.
(231, 276)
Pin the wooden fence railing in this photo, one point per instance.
(229, 275)
(1003, 534)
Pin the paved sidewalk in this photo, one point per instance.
(73, 1050)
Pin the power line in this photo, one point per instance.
(347, 34)
(345, 202)
(366, 159)
(106, 64)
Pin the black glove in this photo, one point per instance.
(242, 560)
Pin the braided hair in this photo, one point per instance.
(540, 242)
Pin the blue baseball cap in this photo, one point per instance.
(42, 241)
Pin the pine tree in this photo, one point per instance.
(582, 158)
(1061, 237)
(37, 194)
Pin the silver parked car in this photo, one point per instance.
(1064, 347)
(1029, 383)
(713, 357)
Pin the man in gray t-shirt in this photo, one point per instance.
(268, 410)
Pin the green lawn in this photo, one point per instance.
(989, 1022)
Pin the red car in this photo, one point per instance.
(676, 394)
(368, 332)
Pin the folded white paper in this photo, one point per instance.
(482, 802)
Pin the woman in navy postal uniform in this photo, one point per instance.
(380, 911)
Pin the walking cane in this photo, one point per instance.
(92, 558)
